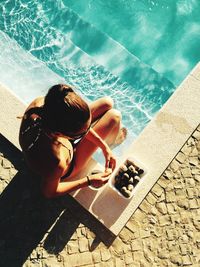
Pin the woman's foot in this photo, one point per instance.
(120, 137)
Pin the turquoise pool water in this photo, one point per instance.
(165, 34)
(36, 36)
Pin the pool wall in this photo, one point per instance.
(155, 147)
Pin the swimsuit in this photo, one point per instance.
(37, 124)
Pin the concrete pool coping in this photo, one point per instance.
(155, 147)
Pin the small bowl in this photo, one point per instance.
(124, 176)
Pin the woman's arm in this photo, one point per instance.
(98, 141)
(53, 187)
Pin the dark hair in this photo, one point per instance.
(64, 111)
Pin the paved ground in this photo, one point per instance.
(164, 231)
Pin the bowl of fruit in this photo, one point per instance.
(126, 177)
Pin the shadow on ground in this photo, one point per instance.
(26, 217)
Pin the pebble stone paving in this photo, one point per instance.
(164, 230)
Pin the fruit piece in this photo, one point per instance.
(130, 187)
(135, 173)
(130, 180)
(131, 169)
(117, 178)
(125, 192)
(137, 178)
(129, 162)
(140, 171)
(125, 177)
(123, 189)
(118, 186)
(123, 169)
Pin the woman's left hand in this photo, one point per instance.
(109, 157)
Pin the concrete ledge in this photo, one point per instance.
(10, 108)
(156, 146)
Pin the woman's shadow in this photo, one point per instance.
(26, 218)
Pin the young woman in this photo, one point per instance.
(60, 132)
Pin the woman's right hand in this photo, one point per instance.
(99, 179)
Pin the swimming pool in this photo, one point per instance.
(81, 54)
(164, 34)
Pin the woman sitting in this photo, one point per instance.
(60, 132)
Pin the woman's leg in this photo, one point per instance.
(100, 107)
(107, 127)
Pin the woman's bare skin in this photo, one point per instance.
(52, 154)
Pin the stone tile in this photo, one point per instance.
(171, 208)
(181, 157)
(79, 260)
(194, 161)
(171, 234)
(83, 244)
(118, 247)
(165, 220)
(170, 196)
(183, 249)
(196, 135)
(136, 245)
(145, 206)
(190, 182)
(151, 198)
(126, 235)
(162, 208)
(163, 254)
(152, 220)
(105, 254)
(6, 163)
(186, 261)
(96, 255)
(50, 262)
(185, 219)
(175, 165)
(144, 233)
(119, 262)
(193, 204)
(157, 190)
(194, 152)
(176, 259)
(186, 150)
(128, 258)
(132, 225)
(157, 231)
(138, 255)
(191, 192)
(5, 174)
(72, 247)
(104, 264)
(139, 216)
(175, 218)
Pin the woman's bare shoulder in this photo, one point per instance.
(37, 102)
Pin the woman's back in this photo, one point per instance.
(41, 152)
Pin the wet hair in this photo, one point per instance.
(64, 111)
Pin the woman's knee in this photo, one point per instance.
(114, 116)
(107, 102)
